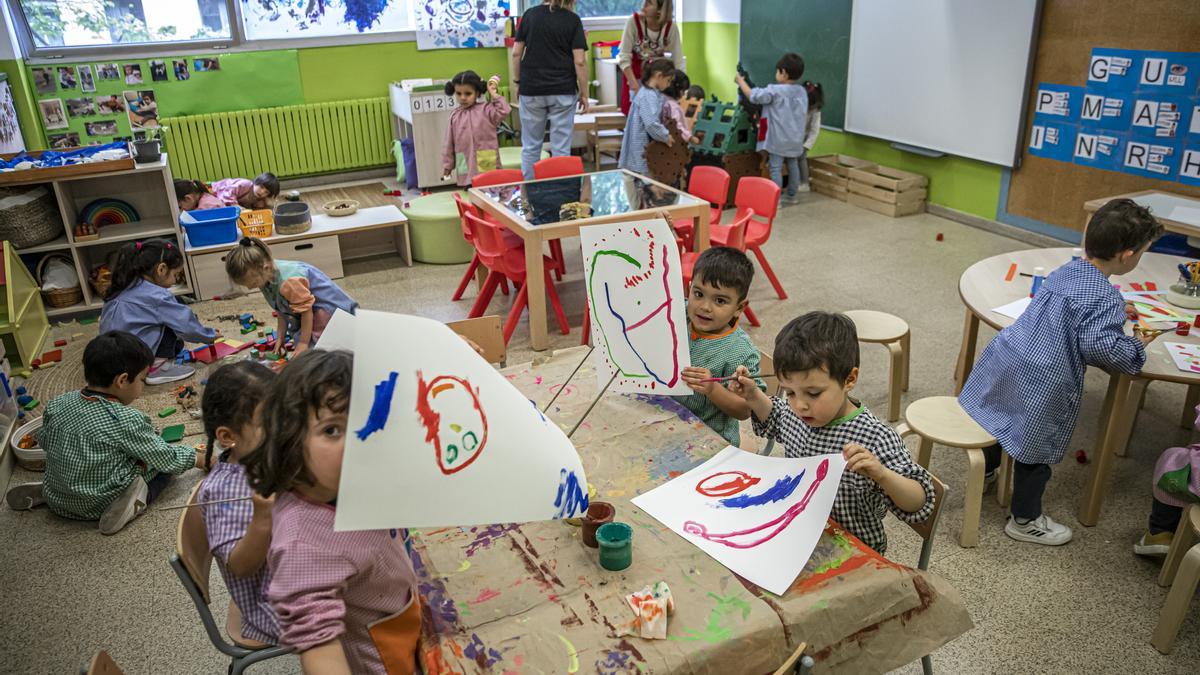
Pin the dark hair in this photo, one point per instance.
(1118, 226)
(725, 267)
(695, 91)
(679, 84)
(663, 66)
(817, 340)
(138, 258)
(269, 181)
(232, 394)
(184, 187)
(110, 354)
(467, 78)
(816, 95)
(792, 64)
(250, 253)
(317, 379)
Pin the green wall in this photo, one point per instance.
(27, 114)
(712, 55)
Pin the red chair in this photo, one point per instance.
(465, 207)
(710, 183)
(761, 197)
(736, 232)
(558, 167)
(497, 177)
(504, 262)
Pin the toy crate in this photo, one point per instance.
(256, 223)
(889, 191)
(723, 129)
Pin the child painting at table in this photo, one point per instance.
(644, 122)
(816, 361)
(346, 601)
(248, 194)
(1176, 485)
(1026, 388)
(718, 345)
(471, 146)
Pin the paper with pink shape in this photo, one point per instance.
(1186, 356)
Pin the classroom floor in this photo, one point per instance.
(66, 591)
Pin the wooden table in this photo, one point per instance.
(530, 209)
(531, 598)
(1161, 204)
(982, 288)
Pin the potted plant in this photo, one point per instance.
(147, 145)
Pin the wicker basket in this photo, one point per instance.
(339, 208)
(59, 297)
(29, 215)
(101, 279)
(256, 223)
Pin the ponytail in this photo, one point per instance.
(250, 254)
(137, 259)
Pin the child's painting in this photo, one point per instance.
(64, 141)
(1153, 311)
(43, 81)
(338, 333)
(759, 516)
(1186, 356)
(87, 82)
(312, 18)
(53, 114)
(438, 437)
(635, 294)
(108, 71)
(459, 24)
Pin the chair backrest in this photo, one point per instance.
(486, 236)
(760, 194)
(464, 207)
(497, 177)
(737, 229)
(929, 526)
(191, 545)
(558, 167)
(767, 365)
(710, 183)
(486, 332)
(610, 123)
(101, 664)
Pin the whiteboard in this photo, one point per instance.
(947, 75)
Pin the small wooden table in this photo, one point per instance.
(982, 288)
(1161, 204)
(531, 208)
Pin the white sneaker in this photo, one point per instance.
(804, 188)
(129, 505)
(169, 372)
(1040, 530)
(989, 478)
(25, 497)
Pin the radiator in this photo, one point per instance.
(288, 141)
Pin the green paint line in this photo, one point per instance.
(592, 295)
(716, 629)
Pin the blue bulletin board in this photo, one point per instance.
(1139, 113)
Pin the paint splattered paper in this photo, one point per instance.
(460, 24)
(437, 437)
(1186, 356)
(635, 294)
(759, 516)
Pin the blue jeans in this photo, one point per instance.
(536, 112)
(793, 164)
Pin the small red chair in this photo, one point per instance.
(710, 183)
(504, 262)
(736, 232)
(562, 166)
(465, 207)
(759, 196)
(497, 177)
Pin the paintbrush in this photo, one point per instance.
(734, 377)
(188, 506)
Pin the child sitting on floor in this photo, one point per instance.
(1026, 388)
(1176, 485)
(104, 461)
(346, 601)
(471, 146)
(194, 194)
(718, 345)
(816, 361)
(645, 117)
(302, 295)
(248, 194)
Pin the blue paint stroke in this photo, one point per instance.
(380, 408)
(572, 497)
(625, 333)
(781, 490)
(482, 655)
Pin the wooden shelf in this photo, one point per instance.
(59, 244)
(138, 229)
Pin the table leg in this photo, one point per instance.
(700, 237)
(403, 243)
(1114, 407)
(536, 284)
(1188, 420)
(1128, 417)
(966, 353)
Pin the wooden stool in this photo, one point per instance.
(1180, 571)
(940, 419)
(892, 331)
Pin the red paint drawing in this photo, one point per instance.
(761, 534)
(726, 483)
(454, 421)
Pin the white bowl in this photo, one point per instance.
(28, 457)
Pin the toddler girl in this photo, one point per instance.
(248, 194)
(302, 296)
(645, 117)
(140, 302)
(194, 194)
(812, 128)
(672, 108)
(471, 146)
(1176, 485)
(346, 601)
(238, 531)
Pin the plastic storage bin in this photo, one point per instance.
(207, 227)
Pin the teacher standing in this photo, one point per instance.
(649, 34)
(550, 75)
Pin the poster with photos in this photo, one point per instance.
(43, 80)
(110, 104)
(206, 64)
(64, 141)
(105, 128)
(53, 114)
(108, 71)
(87, 81)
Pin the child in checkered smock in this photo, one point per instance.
(816, 361)
(1026, 388)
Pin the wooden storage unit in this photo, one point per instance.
(889, 191)
(830, 174)
(23, 322)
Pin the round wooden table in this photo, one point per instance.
(983, 288)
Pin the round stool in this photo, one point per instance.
(940, 419)
(436, 231)
(891, 331)
(510, 157)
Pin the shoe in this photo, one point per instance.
(25, 497)
(804, 188)
(169, 372)
(129, 505)
(1154, 545)
(791, 199)
(1040, 530)
(989, 478)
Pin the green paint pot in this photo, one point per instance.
(616, 546)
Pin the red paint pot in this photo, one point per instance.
(598, 513)
(1183, 328)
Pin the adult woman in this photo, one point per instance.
(649, 34)
(550, 73)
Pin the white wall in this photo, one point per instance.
(712, 11)
(8, 39)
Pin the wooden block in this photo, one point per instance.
(166, 412)
(31, 405)
(60, 343)
(52, 356)
(893, 210)
(887, 196)
(173, 433)
(48, 364)
(888, 178)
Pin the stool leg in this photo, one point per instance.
(1184, 539)
(969, 537)
(1179, 598)
(924, 452)
(906, 348)
(1188, 420)
(895, 380)
(1004, 480)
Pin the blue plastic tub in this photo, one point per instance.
(207, 227)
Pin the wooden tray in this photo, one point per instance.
(59, 172)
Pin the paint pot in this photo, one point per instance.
(1039, 275)
(598, 513)
(616, 546)
(1183, 328)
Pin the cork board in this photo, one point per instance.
(1054, 192)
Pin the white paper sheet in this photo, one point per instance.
(339, 332)
(1185, 214)
(1186, 356)
(453, 443)
(635, 293)
(1014, 309)
(759, 516)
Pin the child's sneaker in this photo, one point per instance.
(1040, 530)
(129, 505)
(169, 372)
(989, 478)
(804, 187)
(1154, 545)
(25, 497)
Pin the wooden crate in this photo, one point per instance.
(893, 210)
(836, 166)
(835, 188)
(885, 195)
(889, 191)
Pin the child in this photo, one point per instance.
(816, 361)
(812, 128)
(1025, 389)
(194, 194)
(471, 146)
(103, 459)
(303, 297)
(256, 194)
(672, 109)
(1176, 485)
(785, 104)
(345, 600)
(720, 281)
(645, 117)
(238, 532)
(140, 302)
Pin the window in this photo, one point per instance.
(278, 19)
(56, 25)
(591, 9)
